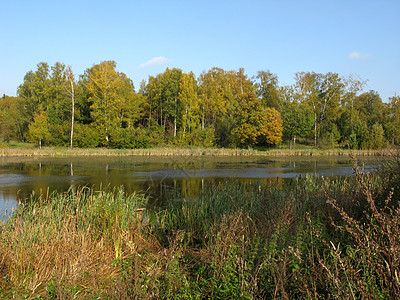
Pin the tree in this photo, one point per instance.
(377, 136)
(393, 119)
(189, 104)
(35, 89)
(297, 121)
(162, 94)
(71, 91)
(270, 126)
(104, 84)
(13, 119)
(254, 124)
(370, 107)
(322, 92)
(267, 89)
(38, 129)
(214, 96)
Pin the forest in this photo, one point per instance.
(219, 108)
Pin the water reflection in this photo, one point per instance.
(161, 178)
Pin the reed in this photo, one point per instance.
(185, 151)
(312, 237)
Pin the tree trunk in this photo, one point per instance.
(73, 113)
(40, 143)
(315, 129)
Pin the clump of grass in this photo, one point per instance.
(68, 240)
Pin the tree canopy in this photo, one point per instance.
(101, 108)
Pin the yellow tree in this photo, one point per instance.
(214, 95)
(189, 104)
(38, 129)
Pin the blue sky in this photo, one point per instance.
(145, 37)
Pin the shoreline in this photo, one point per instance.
(186, 151)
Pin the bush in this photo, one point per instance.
(87, 136)
(128, 138)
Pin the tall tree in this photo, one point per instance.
(370, 107)
(38, 129)
(189, 104)
(297, 121)
(35, 89)
(215, 96)
(71, 92)
(268, 90)
(103, 83)
(392, 113)
(323, 93)
(13, 119)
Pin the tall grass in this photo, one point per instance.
(313, 237)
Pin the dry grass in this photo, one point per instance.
(184, 151)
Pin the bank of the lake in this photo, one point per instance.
(186, 151)
(311, 238)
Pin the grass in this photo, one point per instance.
(184, 151)
(313, 237)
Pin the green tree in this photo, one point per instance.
(39, 130)
(104, 85)
(377, 136)
(392, 124)
(35, 89)
(323, 93)
(297, 121)
(268, 90)
(13, 119)
(162, 94)
(370, 107)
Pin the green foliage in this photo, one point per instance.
(180, 109)
(377, 137)
(129, 138)
(331, 136)
(297, 120)
(39, 130)
(87, 136)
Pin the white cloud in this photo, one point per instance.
(358, 55)
(154, 61)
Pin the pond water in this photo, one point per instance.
(162, 178)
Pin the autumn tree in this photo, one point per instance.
(214, 95)
(189, 105)
(38, 129)
(104, 85)
(254, 124)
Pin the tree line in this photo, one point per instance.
(101, 108)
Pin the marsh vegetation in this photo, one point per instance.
(313, 237)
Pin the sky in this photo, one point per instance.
(359, 38)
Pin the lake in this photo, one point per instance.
(161, 178)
